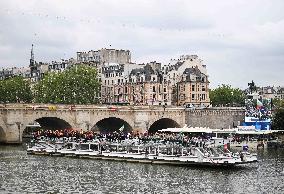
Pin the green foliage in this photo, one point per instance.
(278, 103)
(78, 85)
(225, 95)
(15, 90)
(278, 119)
(278, 116)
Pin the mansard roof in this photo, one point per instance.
(147, 71)
(175, 66)
(280, 90)
(195, 71)
(189, 72)
(113, 68)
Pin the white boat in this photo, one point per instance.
(156, 153)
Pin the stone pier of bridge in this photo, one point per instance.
(14, 118)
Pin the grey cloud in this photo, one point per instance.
(238, 40)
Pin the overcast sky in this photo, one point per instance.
(239, 40)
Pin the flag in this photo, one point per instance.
(258, 104)
(225, 147)
(121, 128)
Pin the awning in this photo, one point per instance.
(187, 130)
(208, 130)
(257, 132)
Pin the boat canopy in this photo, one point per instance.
(240, 130)
(188, 130)
(257, 132)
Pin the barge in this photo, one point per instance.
(152, 153)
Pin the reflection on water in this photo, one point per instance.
(22, 173)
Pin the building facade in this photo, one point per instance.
(193, 89)
(146, 86)
(104, 55)
(181, 82)
(271, 92)
(189, 79)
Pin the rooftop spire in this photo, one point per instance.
(32, 60)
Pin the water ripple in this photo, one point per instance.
(21, 173)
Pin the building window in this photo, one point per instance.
(203, 88)
(154, 89)
(193, 87)
(165, 89)
(192, 96)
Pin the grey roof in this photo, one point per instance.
(175, 66)
(147, 70)
(194, 71)
(120, 69)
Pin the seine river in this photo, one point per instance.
(22, 173)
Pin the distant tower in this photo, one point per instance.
(32, 62)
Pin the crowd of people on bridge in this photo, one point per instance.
(118, 136)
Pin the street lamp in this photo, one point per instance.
(147, 125)
(200, 99)
(19, 124)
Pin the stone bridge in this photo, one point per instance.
(15, 118)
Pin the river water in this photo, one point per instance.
(22, 173)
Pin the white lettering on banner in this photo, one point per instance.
(246, 128)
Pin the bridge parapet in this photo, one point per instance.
(15, 117)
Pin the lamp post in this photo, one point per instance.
(88, 126)
(147, 125)
(232, 101)
(200, 101)
(19, 124)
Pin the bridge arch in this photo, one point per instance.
(49, 122)
(112, 124)
(163, 123)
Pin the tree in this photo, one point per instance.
(225, 95)
(278, 119)
(14, 90)
(77, 85)
(277, 103)
(278, 114)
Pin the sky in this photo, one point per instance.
(238, 40)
